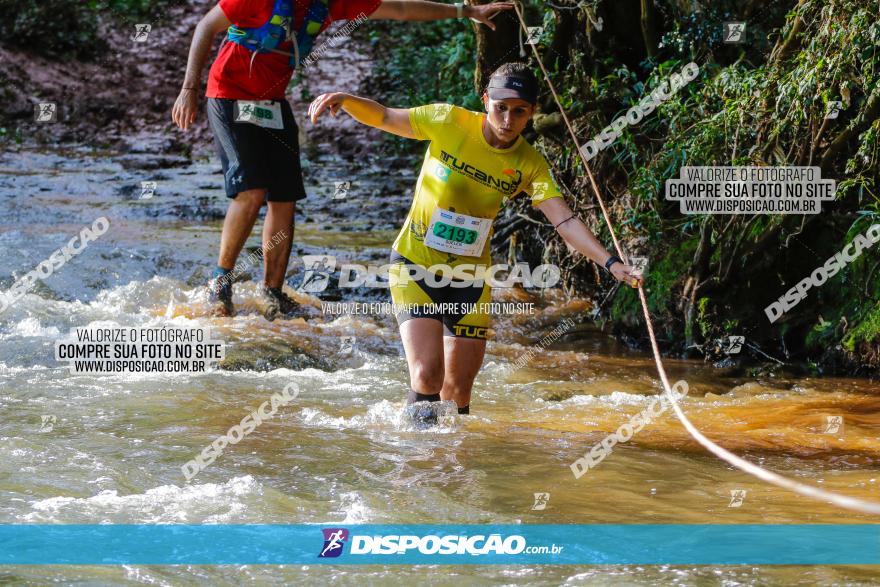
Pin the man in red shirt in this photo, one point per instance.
(254, 130)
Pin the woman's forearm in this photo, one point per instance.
(577, 235)
(420, 10)
(364, 110)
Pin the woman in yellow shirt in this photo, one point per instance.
(474, 163)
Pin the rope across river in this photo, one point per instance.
(810, 491)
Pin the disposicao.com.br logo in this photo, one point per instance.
(334, 540)
(431, 544)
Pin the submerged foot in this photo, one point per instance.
(279, 304)
(219, 293)
(423, 415)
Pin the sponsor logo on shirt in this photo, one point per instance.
(418, 230)
(442, 172)
(507, 186)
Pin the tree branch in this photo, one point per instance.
(649, 27)
(856, 127)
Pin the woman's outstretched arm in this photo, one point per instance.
(365, 111)
(580, 238)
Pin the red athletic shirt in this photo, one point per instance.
(231, 74)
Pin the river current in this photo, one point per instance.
(86, 448)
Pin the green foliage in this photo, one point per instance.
(821, 334)
(13, 135)
(427, 63)
(61, 28)
(626, 306)
(703, 305)
(868, 330)
(748, 109)
(751, 105)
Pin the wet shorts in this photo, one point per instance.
(257, 157)
(458, 308)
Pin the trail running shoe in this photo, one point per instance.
(220, 297)
(279, 303)
(423, 415)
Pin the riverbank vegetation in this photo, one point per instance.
(760, 102)
(64, 29)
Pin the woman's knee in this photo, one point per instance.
(426, 377)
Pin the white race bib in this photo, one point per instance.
(458, 234)
(265, 113)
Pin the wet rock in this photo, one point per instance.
(725, 363)
(549, 124)
(558, 395)
(268, 356)
(751, 388)
(141, 161)
(150, 143)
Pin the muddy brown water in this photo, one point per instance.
(341, 453)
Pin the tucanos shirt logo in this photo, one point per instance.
(334, 540)
(507, 186)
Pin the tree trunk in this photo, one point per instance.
(700, 269)
(649, 27)
(497, 47)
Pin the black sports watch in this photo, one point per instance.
(611, 261)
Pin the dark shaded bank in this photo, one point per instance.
(761, 102)
(110, 91)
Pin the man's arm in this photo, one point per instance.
(187, 103)
(365, 111)
(421, 10)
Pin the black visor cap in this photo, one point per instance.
(503, 87)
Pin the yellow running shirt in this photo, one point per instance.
(463, 185)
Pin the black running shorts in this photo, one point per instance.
(257, 157)
(461, 310)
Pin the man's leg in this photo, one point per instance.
(239, 148)
(237, 227)
(284, 174)
(276, 251)
(464, 357)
